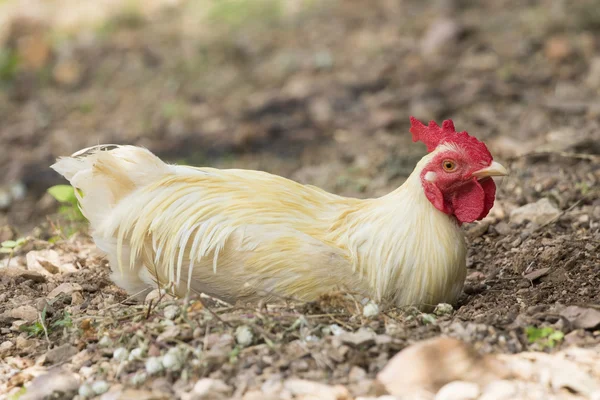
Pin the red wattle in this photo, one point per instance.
(469, 201)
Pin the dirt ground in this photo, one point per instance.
(320, 93)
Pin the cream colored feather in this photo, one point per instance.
(247, 235)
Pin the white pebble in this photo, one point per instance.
(136, 354)
(336, 330)
(100, 387)
(105, 341)
(154, 365)
(120, 354)
(139, 378)
(499, 390)
(443, 309)
(86, 391)
(243, 335)
(371, 310)
(171, 312)
(173, 360)
(458, 390)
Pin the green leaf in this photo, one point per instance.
(10, 244)
(63, 193)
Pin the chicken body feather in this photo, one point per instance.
(247, 235)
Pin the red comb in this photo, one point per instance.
(433, 136)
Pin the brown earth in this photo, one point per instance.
(322, 95)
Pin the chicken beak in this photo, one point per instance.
(495, 169)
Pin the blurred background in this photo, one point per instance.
(318, 91)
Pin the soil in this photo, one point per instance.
(320, 94)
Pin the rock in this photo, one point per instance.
(502, 228)
(57, 384)
(537, 274)
(443, 309)
(302, 388)
(582, 317)
(77, 298)
(120, 354)
(25, 313)
(458, 390)
(154, 365)
(499, 390)
(362, 337)
(133, 394)
(174, 359)
(540, 212)
(171, 312)
(100, 387)
(357, 374)
(170, 333)
(60, 354)
(213, 389)
(566, 374)
(23, 343)
(6, 347)
(15, 272)
(244, 335)
(370, 310)
(86, 391)
(46, 262)
(65, 288)
(436, 362)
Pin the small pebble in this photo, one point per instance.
(86, 391)
(173, 360)
(139, 378)
(443, 309)
(171, 312)
(100, 387)
(458, 390)
(336, 330)
(120, 354)
(244, 335)
(371, 310)
(154, 365)
(105, 342)
(136, 354)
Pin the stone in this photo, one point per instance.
(213, 389)
(65, 288)
(499, 390)
(370, 310)
(582, 317)
(16, 272)
(60, 354)
(436, 362)
(45, 262)
(302, 388)
(25, 313)
(458, 390)
(55, 384)
(244, 335)
(171, 312)
(540, 212)
(443, 309)
(362, 337)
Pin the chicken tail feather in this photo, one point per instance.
(103, 177)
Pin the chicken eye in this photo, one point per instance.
(449, 165)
